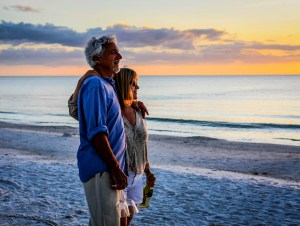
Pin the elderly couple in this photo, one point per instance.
(112, 155)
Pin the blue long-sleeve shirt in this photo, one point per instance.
(99, 111)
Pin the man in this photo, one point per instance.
(101, 154)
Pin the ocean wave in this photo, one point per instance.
(9, 184)
(25, 220)
(168, 130)
(9, 112)
(233, 125)
(33, 114)
(289, 139)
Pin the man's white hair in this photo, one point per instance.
(94, 47)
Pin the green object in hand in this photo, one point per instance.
(147, 195)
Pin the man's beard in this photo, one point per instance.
(116, 70)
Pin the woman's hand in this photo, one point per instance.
(150, 178)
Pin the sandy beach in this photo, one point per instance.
(200, 180)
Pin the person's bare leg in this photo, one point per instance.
(129, 218)
(124, 221)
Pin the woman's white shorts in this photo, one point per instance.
(134, 190)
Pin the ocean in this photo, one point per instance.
(264, 109)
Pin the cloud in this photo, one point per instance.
(141, 46)
(214, 54)
(21, 8)
(129, 36)
(48, 33)
(260, 46)
(251, 53)
(217, 54)
(210, 34)
(43, 56)
(168, 38)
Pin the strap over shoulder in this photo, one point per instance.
(73, 108)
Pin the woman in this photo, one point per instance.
(136, 140)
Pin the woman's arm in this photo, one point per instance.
(150, 178)
(81, 80)
(72, 102)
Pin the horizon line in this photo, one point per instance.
(158, 75)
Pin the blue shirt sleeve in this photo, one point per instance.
(94, 100)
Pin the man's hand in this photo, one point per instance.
(139, 106)
(119, 179)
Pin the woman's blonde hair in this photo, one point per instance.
(123, 79)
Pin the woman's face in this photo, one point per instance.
(134, 88)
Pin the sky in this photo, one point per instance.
(157, 37)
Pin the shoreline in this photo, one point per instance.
(60, 143)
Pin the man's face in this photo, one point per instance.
(110, 59)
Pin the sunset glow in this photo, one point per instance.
(185, 38)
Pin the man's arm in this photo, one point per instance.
(101, 143)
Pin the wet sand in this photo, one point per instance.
(270, 160)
